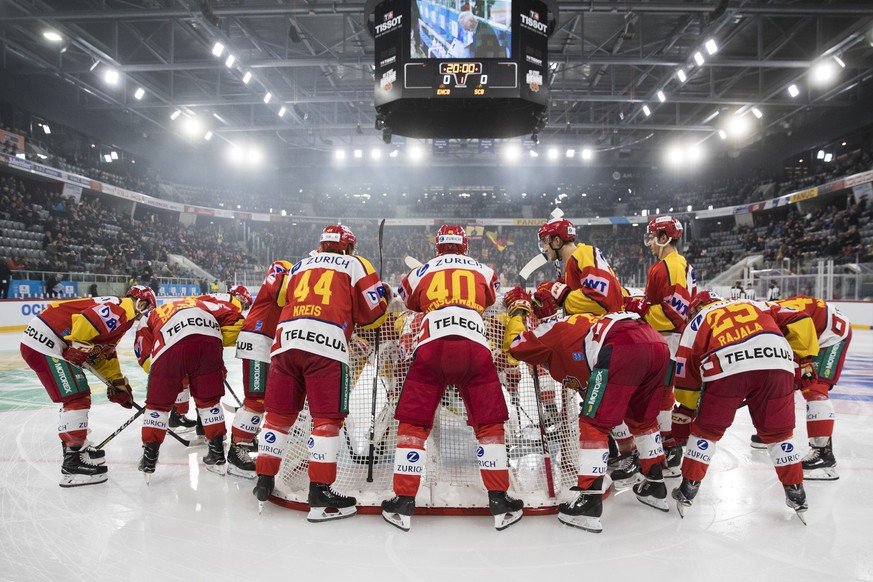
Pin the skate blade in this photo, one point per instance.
(504, 520)
(800, 515)
(261, 506)
(81, 480)
(758, 446)
(623, 485)
(237, 472)
(403, 522)
(659, 504)
(825, 474)
(583, 522)
(320, 514)
(681, 507)
(671, 472)
(217, 469)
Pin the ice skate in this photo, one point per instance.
(795, 498)
(263, 489)
(78, 469)
(757, 444)
(626, 471)
(584, 512)
(239, 462)
(215, 460)
(325, 504)
(250, 446)
(149, 459)
(685, 494)
(95, 456)
(505, 509)
(398, 511)
(652, 490)
(180, 423)
(674, 461)
(200, 434)
(819, 463)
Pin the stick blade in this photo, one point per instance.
(532, 265)
(412, 263)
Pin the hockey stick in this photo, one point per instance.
(139, 408)
(371, 454)
(547, 455)
(228, 407)
(412, 263)
(118, 430)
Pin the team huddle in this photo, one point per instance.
(658, 377)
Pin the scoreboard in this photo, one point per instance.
(444, 70)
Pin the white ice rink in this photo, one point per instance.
(190, 524)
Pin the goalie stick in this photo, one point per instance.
(372, 435)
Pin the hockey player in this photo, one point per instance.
(618, 364)
(452, 290)
(185, 339)
(670, 285)
(834, 336)
(323, 297)
(590, 284)
(61, 340)
(737, 349)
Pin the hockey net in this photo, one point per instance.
(451, 482)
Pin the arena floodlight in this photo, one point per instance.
(680, 74)
(820, 155)
(247, 77)
(139, 93)
(46, 129)
(230, 61)
(52, 36)
(376, 154)
(823, 72)
(208, 135)
(111, 77)
(255, 156)
(282, 111)
(711, 47)
(737, 125)
(358, 154)
(757, 112)
(587, 154)
(534, 154)
(113, 154)
(217, 49)
(267, 97)
(646, 110)
(415, 153)
(107, 158)
(722, 134)
(698, 58)
(192, 127)
(175, 115)
(793, 90)
(339, 154)
(840, 61)
(828, 157)
(661, 96)
(570, 152)
(553, 153)
(674, 156)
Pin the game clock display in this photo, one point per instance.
(462, 78)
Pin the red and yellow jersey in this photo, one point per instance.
(670, 285)
(567, 348)
(727, 338)
(452, 291)
(322, 298)
(594, 288)
(831, 326)
(174, 321)
(256, 337)
(98, 321)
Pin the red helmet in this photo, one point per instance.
(451, 239)
(560, 227)
(337, 238)
(666, 224)
(701, 300)
(143, 293)
(242, 294)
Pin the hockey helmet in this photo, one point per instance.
(143, 293)
(337, 238)
(242, 294)
(701, 300)
(560, 227)
(451, 239)
(666, 224)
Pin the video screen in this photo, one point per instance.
(461, 29)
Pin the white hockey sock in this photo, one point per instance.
(183, 397)
(213, 415)
(649, 445)
(246, 423)
(70, 421)
(592, 462)
(665, 421)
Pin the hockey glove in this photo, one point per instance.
(805, 374)
(556, 289)
(682, 418)
(638, 305)
(120, 392)
(517, 302)
(78, 353)
(544, 305)
(387, 293)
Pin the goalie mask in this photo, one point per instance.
(142, 293)
(337, 238)
(668, 225)
(451, 239)
(242, 295)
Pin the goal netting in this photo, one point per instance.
(451, 480)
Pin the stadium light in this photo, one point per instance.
(661, 96)
(824, 72)
(111, 76)
(793, 90)
(339, 154)
(46, 129)
(570, 152)
(722, 134)
(255, 156)
(217, 49)
(757, 112)
(711, 47)
(358, 154)
(680, 74)
(139, 93)
(820, 155)
(646, 110)
(247, 77)
(534, 154)
(107, 158)
(587, 154)
(52, 36)
(267, 97)
(840, 61)
(698, 58)
(394, 153)
(512, 152)
(192, 126)
(737, 125)
(113, 154)
(415, 153)
(375, 154)
(553, 153)
(208, 135)
(828, 157)
(230, 61)
(282, 111)
(175, 115)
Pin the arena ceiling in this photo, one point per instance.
(610, 59)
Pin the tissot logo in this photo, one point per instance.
(528, 21)
(391, 23)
